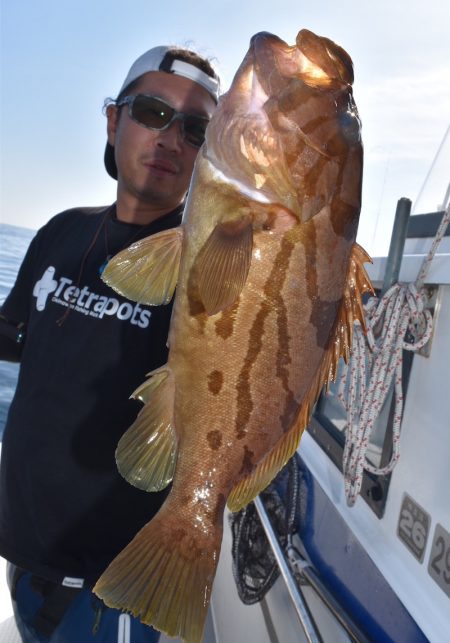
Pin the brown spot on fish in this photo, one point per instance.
(274, 301)
(283, 357)
(224, 325)
(291, 407)
(323, 312)
(321, 318)
(215, 382)
(309, 241)
(247, 462)
(343, 219)
(282, 364)
(196, 307)
(244, 397)
(313, 124)
(214, 439)
(284, 339)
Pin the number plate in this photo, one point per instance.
(439, 564)
(413, 527)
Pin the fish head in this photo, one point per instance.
(288, 131)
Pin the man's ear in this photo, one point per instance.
(112, 116)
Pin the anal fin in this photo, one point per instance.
(248, 488)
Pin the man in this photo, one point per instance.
(65, 512)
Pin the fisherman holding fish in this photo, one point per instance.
(65, 511)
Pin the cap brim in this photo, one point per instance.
(110, 162)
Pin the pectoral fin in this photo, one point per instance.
(223, 264)
(146, 453)
(147, 271)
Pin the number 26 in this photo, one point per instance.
(413, 529)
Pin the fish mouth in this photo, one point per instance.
(317, 61)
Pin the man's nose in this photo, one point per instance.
(172, 137)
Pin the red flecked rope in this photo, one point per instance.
(376, 362)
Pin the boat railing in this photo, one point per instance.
(293, 566)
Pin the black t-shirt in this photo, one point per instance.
(65, 511)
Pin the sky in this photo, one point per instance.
(60, 59)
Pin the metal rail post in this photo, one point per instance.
(301, 608)
(397, 244)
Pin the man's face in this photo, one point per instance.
(155, 167)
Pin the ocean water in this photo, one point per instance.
(14, 242)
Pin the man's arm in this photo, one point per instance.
(14, 311)
(11, 340)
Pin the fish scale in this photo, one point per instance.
(269, 281)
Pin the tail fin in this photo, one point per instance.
(164, 577)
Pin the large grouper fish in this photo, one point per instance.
(268, 284)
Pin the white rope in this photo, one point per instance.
(376, 365)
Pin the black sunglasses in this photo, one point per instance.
(156, 114)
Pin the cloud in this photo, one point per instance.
(405, 115)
